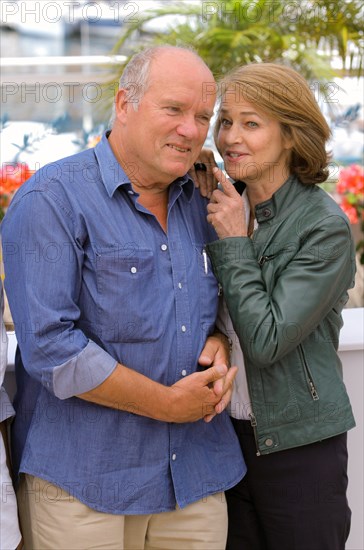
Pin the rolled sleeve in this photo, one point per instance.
(81, 373)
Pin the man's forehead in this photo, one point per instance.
(182, 97)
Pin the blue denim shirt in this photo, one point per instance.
(92, 279)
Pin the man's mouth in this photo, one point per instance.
(179, 148)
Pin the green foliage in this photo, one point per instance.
(232, 32)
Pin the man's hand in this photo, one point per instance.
(199, 395)
(188, 400)
(194, 397)
(217, 352)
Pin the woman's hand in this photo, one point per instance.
(217, 352)
(226, 211)
(201, 173)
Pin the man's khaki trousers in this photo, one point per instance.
(52, 519)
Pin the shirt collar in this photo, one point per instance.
(113, 175)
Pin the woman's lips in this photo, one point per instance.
(234, 156)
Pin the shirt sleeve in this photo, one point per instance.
(43, 258)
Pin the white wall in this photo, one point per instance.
(352, 356)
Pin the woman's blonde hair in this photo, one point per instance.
(284, 95)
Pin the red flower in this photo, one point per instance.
(351, 180)
(12, 176)
(350, 211)
(351, 188)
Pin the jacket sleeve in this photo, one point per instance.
(271, 323)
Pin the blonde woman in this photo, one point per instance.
(284, 260)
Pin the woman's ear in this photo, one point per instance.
(288, 141)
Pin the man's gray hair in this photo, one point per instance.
(134, 78)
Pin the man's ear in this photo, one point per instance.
(121, 105)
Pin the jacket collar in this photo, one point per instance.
(282, 198)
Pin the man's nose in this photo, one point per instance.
(188, 128)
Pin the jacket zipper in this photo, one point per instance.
(311, 385)
(253, 422)
(264, 259)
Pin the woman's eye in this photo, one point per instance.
(225, 122)
(252, 124)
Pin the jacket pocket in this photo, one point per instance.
(131, 311)
(308, 375)
(275, 251)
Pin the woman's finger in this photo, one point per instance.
(226, 184)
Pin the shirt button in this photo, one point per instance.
(184, 372)
(269, 442)
(174, 456)
(133, 269)
(179, 285)
(164, 247)
(266, 212)
(183, 328)
(131, 192)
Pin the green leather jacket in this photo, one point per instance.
(285, 289)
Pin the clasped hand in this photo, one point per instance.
(205, 394)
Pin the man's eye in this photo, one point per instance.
(173, 110)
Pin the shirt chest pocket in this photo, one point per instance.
(129, 299)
